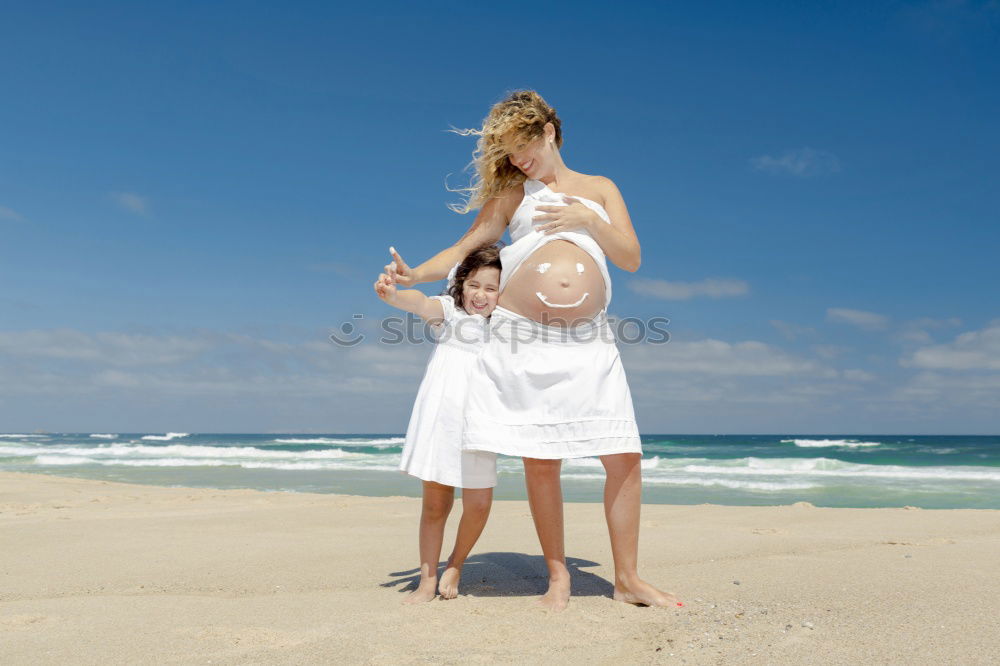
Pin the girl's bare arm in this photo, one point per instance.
(410, 300)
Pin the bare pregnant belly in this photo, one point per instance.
(559, 284)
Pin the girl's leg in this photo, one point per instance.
(622, 501)
(545, 499)
(438, 500)
(476, 503)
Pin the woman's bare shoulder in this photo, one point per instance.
(597, 188)
(609, 191)
(600, 182)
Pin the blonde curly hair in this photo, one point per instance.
(522, 112)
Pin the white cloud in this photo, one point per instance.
(973, 350)
(203, 363)
(944, 392)
(830, 351)
(792, 331)
(10, 214)
(717, 357)
(717, 386)
(803, 162)
(858, 375)
(919, 336)
(915, 331)
(107, 348)
(930, 322)
(66, 379)
(682, 291)
(859, 318)
(131, 202)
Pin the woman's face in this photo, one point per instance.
(481, 290)
(528, 155)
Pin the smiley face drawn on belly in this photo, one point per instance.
(558, 283)
(544, 300)
(542, 268)
(579, 271)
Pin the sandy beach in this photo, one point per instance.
(97, 572)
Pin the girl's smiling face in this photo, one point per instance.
(481, 290)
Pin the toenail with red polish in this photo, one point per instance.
(679, 603)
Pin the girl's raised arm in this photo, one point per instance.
(411, 300)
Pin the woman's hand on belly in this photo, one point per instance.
(571, 216)
(559, 284)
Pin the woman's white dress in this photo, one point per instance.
(433, 447)
(543, 391)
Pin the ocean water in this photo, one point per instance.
(928, 471)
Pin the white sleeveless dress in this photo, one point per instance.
(541, 391)
(432, 450)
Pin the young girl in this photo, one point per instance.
(433, 448)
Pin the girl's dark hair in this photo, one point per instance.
(484, 255)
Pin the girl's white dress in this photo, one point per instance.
(433, 447)
(543, 391)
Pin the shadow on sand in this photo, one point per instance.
(512, 575)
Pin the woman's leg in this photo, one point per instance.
(476, 503)
(622, 502)
(438, 500)
(545, 499)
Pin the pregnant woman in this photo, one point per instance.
(550, 383)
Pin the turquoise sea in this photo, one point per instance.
(836, 470)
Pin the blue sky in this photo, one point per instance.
(194, 195)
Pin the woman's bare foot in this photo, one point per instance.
(557, 598)
(426, 591)
(639, 592)
(448, 587)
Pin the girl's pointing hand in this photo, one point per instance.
(398, 270)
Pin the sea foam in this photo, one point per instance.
(847, 443)
(378, 442)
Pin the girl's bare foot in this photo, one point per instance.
(639, 592)
(557, 598)
(449, 582)
(426, 591)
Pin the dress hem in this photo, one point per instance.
(560, 453)
(424, 476)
